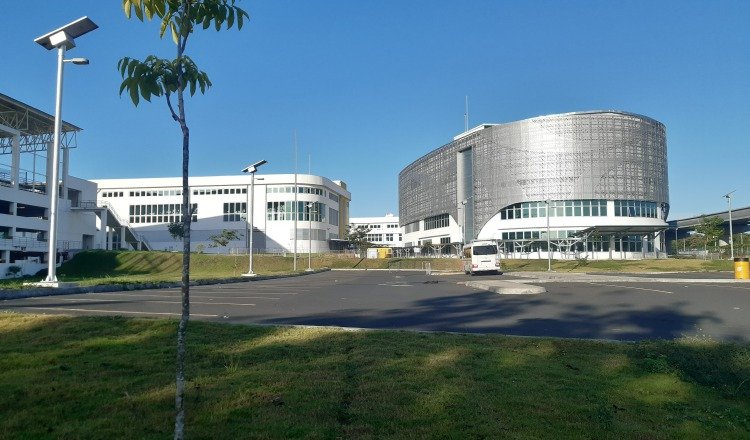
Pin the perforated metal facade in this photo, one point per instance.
(608, 155)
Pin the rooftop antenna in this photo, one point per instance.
(466, 114)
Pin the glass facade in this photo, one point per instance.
(438, 221)
(635, 208)
(578, 157)
(558, 208)
(285, 211)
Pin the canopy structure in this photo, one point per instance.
(621, 230)
(34, 128)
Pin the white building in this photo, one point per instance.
(576, 185)
(384, 231)
(148, 205)
(25, 135)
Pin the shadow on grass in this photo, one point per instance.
(112, 377)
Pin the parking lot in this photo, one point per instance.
(415, 301)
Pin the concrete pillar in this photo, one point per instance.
(15, 168)
(48, 171)
(611, 245)
(65, 169)
(102, 239)
(123, 244)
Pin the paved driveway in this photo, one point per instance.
(414, 301)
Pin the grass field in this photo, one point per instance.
(112, 267)
(64, 377)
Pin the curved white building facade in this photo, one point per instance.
(148, 205)
(598, 179)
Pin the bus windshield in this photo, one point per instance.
(487, 249)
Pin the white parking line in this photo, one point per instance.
(631, 287)
(728, 287)
(119, 312)
(157, 301)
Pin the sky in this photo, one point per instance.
(370, 86)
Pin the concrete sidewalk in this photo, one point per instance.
(570, 277)
(524, 284)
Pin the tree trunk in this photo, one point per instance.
(179, 428)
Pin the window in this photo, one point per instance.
(434, 222)
(285, 211)
(411, 227)
(333, 216)
(557, 208)
(234, 212)
(388, 237)
(635, 208)
(163, 213)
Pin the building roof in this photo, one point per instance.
(27, 119)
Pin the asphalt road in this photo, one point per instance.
(415, 301)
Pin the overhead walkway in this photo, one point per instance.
(113, 226)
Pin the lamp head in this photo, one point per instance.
(254, 167)
(78, 61)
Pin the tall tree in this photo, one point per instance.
(357, 236)
(711, 228)
(168, 78)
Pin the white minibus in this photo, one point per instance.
(481, 256)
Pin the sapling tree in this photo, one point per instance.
(170, 79)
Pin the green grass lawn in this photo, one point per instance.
(64, 377)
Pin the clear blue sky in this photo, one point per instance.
(372, 85)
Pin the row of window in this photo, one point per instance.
(411, 227)
(333, 196)
(285, 211)
(630, 243)
(164, 213)
(112, 194)
(436, 221)
(538, 235)
(380, 226)
(374, 238)
(216, 191)
(235, 211)
(300, 190)
(635, 208)
(155, 193)
(558, 208)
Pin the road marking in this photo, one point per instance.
(157, 301)
(120, 311)
(631, 287)
(395, 285)
(728, 287)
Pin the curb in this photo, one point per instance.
(507, 287)
(46, 291)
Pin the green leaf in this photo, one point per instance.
(230, 18)
(133, 89)
(139, 11)
(175, 37)
(240, 18)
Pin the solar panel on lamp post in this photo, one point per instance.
(61, 39)
(251, 169)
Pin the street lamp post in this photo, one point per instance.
(309, 236)
(251, 170)
(728, 196)
(61, 39)
(549, 249)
